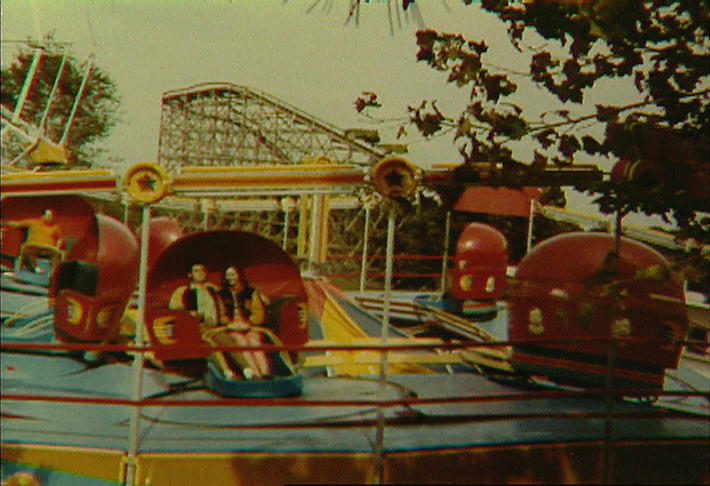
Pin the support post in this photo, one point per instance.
(365, 240)
(445, 257)
(126, 208)
(29, 81)
(287, 204)
(380, 436)
(139, 358)
(50, 99)
(77, 101)
(323, 229)
(531, 220)
(388, 288)
(205, 214)
(303, 202)
(315, 233)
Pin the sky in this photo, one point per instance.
(300, 51)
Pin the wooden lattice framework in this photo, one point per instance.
(226, 124)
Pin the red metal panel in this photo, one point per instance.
(162, 232)
(80, 317)
(174, 334)
(72, 213)
(565, 289)
(10, 241)
(113, 248)
(479, 265)
(118, 258)
(265, 265)
(497, 200)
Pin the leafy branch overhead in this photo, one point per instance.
(658, 48)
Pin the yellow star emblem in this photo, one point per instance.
(146, 182)
(394, 177)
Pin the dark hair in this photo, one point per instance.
(240, 274)
(193, 264)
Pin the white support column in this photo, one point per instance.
(126, 208)
(206, 208)
(380, 433)
(52, 93)
(29, 81)
(315, 233)
(445, 257)
(287, 205)
(531, 219)
(139, 357)
(389, 258)
(77, 101)
(367, 203)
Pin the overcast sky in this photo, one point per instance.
(308, 57)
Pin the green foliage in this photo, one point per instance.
(657, 47)
(98, 110)
(660, 47)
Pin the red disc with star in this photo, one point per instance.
(147, 182)
(394, 177)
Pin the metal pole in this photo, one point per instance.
(531, 218)
(301, 245)
(445, 257)
(29, 80)
(315, 233)
(139, 358)
(379, 442)
(53, 92)
(77, 100)
(126, 209)
(365, 240)
(388, 288)
(323, 216)
(608, 458)
(18, 130)
(286, 208)
(205, 214)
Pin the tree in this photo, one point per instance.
(657, 46)
(96, 114)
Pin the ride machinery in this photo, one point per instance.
(573, 367)
(586, 315)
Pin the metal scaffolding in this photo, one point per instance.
(226, 124)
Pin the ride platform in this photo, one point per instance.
(438, 428)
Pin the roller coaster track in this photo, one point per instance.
(224, 124)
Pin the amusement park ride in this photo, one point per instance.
(573, 367)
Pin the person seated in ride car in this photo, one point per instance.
(199, 297)
(42, 231)
(44, 236)
(244, 308)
